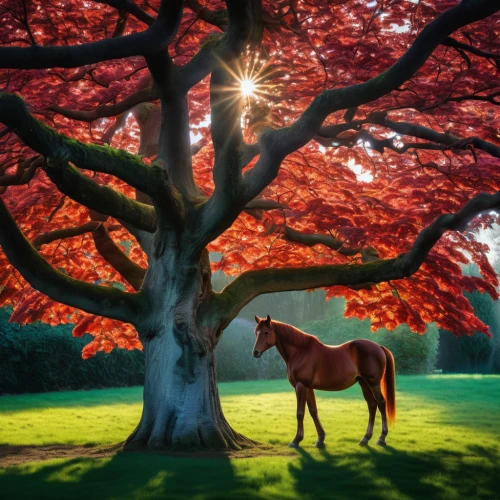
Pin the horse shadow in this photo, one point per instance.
(374, 473)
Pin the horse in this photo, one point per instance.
(313, 365)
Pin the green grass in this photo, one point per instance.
(446, 444)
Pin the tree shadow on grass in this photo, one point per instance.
(389, 473)
(128, 475)
(367, 473)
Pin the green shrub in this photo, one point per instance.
(414, 353)
(39, 358)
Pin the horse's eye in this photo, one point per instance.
(265, 333)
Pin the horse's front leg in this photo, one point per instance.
(313, 410)
(301, 392)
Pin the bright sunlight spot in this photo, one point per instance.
(248, 87)
(361, 175)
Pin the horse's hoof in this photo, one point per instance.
(320, 444)
(293, 444)
(364, 442)
(381, 442)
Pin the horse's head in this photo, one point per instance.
(265, 336)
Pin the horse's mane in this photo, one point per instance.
(291, 335)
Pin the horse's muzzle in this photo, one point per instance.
(257, 354)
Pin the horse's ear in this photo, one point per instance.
(268, 319)
(257, 319)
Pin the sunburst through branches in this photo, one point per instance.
(248, 87)
(254, 84)
(253, 76)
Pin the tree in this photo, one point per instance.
(338, 131)
(477, 353)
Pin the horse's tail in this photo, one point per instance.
(388, 386)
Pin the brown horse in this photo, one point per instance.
(314, 365)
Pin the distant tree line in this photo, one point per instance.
(476, 354)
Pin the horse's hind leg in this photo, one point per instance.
(313, 410)
(372, 409)
(382, 408)
(301, 392)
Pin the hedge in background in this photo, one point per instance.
(39, 358)
(414, 354)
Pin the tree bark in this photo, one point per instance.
(181, 408)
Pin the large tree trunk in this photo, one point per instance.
(181, 401)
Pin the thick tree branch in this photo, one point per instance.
(451, 42)
(67, 232)
(253, 283)
(439, 141)
(167, 199)
(244, 26)
(263, 204)
(311, 239)
(174, 146)
(49, 143)
(256, 207)
(102, 199)
(429, 134)
(277, 144)
(157, 37)
(113, 254)
(108, 110)
(227, 138)
(94, 299)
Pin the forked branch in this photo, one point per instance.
(277, 144)
(113, 254)
(94, 299)
(108, 110)
(253, 283)
(157, 37)
(102, 199)
(49, 143)
(105, 245)
(244, 18)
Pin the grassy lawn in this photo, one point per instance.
(446, 444)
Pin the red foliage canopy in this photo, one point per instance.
(372, 179)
